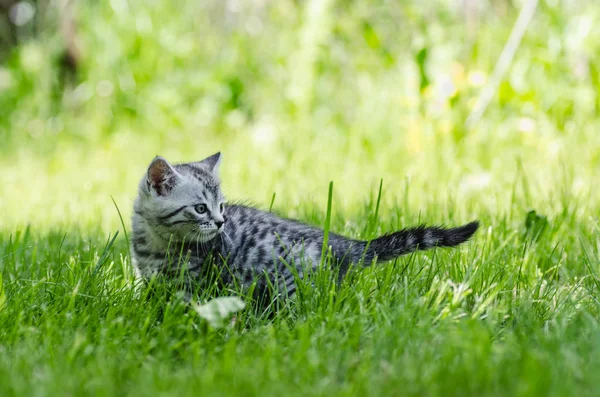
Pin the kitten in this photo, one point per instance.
(181, 220)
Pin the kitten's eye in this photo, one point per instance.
(200, 208)
(221, 207)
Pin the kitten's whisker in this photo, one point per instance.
(205, 247)
(224, 237)
(224, 233)
(197, 238)
(182, 246)
(199, 241)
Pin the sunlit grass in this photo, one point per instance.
(514, 312)
(482, 175)
(502, 313)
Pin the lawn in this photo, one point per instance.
(371, 95)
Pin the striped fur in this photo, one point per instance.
(181, 221)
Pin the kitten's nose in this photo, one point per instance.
(219, 224)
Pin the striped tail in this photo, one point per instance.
(402, 242)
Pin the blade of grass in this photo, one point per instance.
(105, 253)
(327, 224)
(122, 223)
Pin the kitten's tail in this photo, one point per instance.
(404, 241)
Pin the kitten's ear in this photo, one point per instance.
(161, 176)
(212, 163)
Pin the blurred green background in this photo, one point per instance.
(295, 94)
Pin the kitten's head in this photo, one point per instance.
(183, 201)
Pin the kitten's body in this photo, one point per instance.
(180, 221)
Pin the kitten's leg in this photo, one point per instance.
(139, 282)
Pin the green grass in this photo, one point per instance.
(294, 97)
(502, 316)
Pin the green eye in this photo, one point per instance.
(200, 208)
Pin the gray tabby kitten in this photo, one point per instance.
(181, 221)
